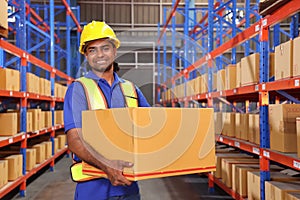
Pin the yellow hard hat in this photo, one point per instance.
(97, 30)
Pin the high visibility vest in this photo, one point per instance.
(96, 100)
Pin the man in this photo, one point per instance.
(99, 45)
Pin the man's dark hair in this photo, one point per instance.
(116, 67)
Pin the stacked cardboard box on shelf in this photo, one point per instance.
(9, 79)
(40, 152)
(3, 19)
(30, 158)
(298, 135)
(221, 80)
(279, 190)
(229, 124)
(33, 83)
(3, 172)
(230, 77)
(15, 163)
(284, 60)
(61, 141)
(59, 117)
(282, 120)
(48, 149)
(296, 57)
(253, 131)
(8, 123)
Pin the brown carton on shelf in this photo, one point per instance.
(282, 120)
(61, 141)
(227, 168)
(284, 60)
(48, 149)
(239, 176)
(40, 152)
(250, 70)
(203, 84)
(244, 126)
(253, 179)
(298, 135)
(238, 75)
(42, 86)
(293, 195)
(36, 117)
(8, 123)
(253, 131)
(230, 77)
(33, 83)
(30, 159)
(296, 58)
(28, 122)
(47, 87)
(48, 119)
(9, 79)
(4, 15)
(159, 141)
(59, 117)
(221, 80)
(218, 118)
(221, 156)
(56, 141)
(3, 172)
(197, 85)
(229, 124)
(15, 163)
(278, 190)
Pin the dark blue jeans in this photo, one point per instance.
(126, 197)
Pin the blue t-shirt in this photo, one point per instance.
(74, 103)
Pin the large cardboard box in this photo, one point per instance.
(204, 83)
(230, 77)
(48, 118)
(221, 80)
(48, 149)
(253, 179)
(293, 195)
(275, 190)
(42, 86)
(40, 152)
(159, 141)
(36, 118)
(56, 145)
(241, 125)
(227, 168)
(30, 159)
(15, 163)
(298, 135)
(218, 118)
(8, 123)
(47, 87)
(254, 134)
(229, 124)
(3, 172)
(221, 156)
(58, 117)
(284, 60)
(197, 85)
(28, 122)
(33, 83)
(282, 120)
(296, 57)
(3, 18)
(238, 75)
(61, 141)
(9, 79)
(250, 70)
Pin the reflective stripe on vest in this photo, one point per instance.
(96, 100)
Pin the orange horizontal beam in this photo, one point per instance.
(69, 12)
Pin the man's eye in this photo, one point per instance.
(106, 48)
(91, 50)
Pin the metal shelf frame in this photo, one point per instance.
(43, 49)
(259, 32)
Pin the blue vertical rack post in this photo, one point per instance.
(22, 44)
(52, 74)
(264, 105)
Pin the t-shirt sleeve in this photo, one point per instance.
(74, 103)
(142, 100)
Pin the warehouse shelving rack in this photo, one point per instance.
(260, 92)
(21, 56)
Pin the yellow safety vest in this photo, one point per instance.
(96, 100)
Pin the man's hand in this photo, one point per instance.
(114, 172)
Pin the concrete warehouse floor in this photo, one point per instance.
(58, 185)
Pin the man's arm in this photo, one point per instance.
(112, 168)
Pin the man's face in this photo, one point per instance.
(100, 55)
